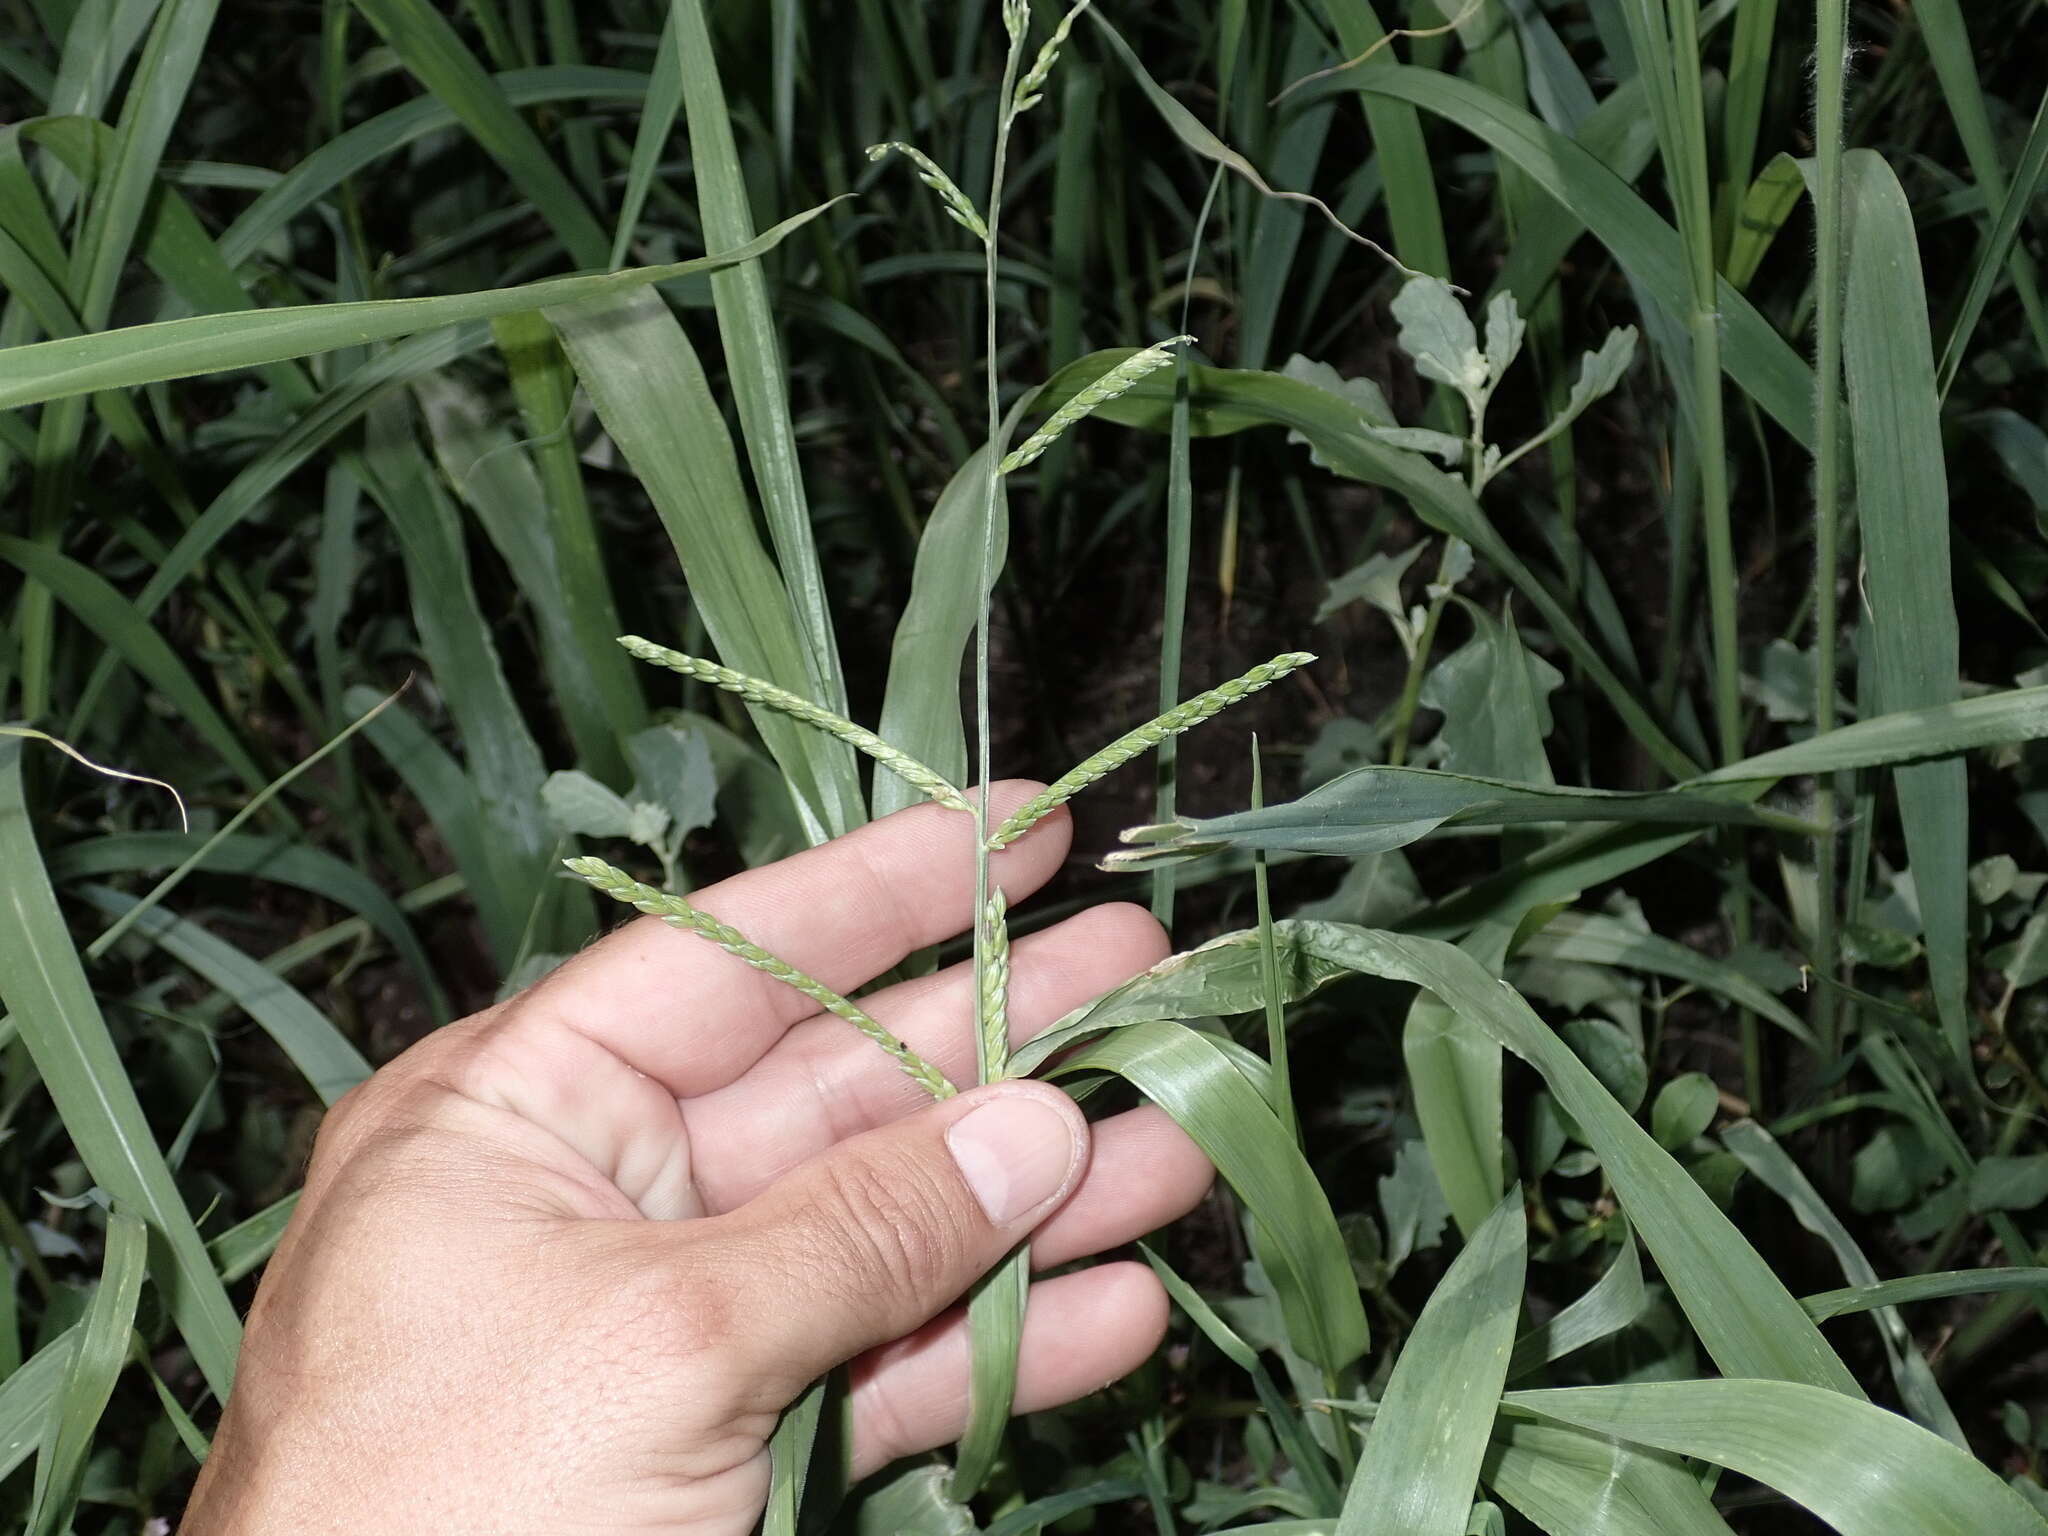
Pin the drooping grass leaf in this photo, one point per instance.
(172, 349)
(101, 608)
(1297, 1238)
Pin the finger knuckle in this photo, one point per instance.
(889, 1223)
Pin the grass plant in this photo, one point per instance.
(1643, 428)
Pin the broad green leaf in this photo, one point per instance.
(1902, 515)
(1504, 331)
(921, 709)
(1295, 1235)
(1905, 735)
(1454, 1075)
(501, 759)
(242, 1249)
(1494, 696)
(44, 988)
(1571, 1483)
(995, 1326)
(1862, 1469)
(1422, 1459)
(1377, 581)
(1439, 445)
(493, 473)
(2008, 1183)
(1224, 976)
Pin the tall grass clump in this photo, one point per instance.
(1612, 972)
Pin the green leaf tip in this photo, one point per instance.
(782, 701)
(1184, 716)
(677, 912)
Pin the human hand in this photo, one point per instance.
(560, 1266)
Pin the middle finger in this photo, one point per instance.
(823, 1081)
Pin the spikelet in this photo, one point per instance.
(622, 887)
(1105, 389)
(995, 988)
(958, 205)
(1016, 18)
(1029, 87)
(1182, 717)
(768, 696)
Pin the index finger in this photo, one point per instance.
(693, 1017)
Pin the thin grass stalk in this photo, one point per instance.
(1671, 59)
(995, 1311)
(1831, 53)
(1282, 1091)
(1180, 515)
(1016, 19)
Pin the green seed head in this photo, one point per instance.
(1182, 717)
(1117, 381)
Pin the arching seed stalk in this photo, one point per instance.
(768, 696)
(674, 910)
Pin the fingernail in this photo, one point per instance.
(1014, 1152)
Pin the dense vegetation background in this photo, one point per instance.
(223, 545)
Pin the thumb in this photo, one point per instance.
(870, 1240)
